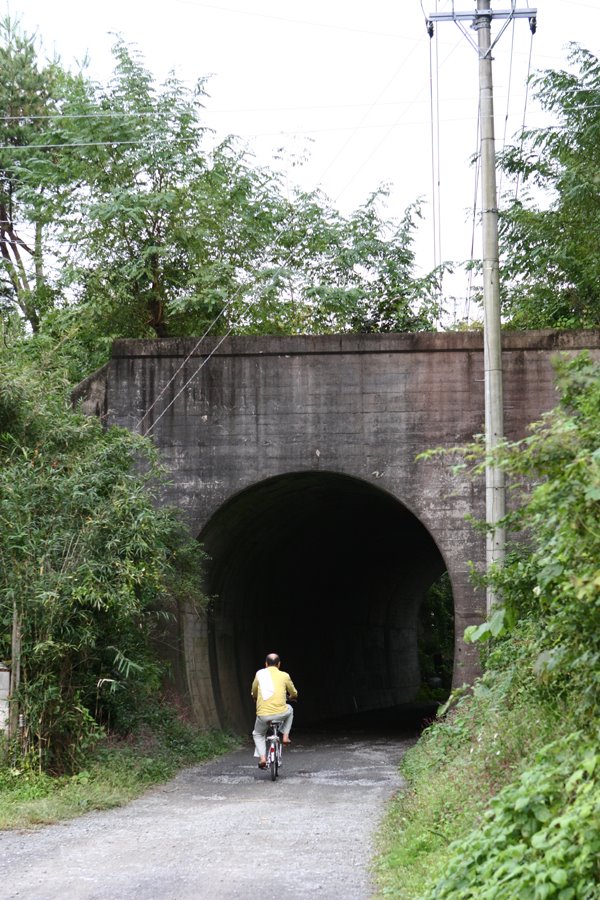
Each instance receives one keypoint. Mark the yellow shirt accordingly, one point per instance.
(276, 703)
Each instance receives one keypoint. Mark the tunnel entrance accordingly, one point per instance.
(331, 573)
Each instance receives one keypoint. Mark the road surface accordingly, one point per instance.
(224, 830)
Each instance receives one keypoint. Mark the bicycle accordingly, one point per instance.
(274, 738)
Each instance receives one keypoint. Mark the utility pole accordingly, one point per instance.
(494, 405)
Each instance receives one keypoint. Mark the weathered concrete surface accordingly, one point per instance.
(223, 830)
(294, 461)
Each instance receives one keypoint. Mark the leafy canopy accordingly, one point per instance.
(144, 229)
(90, 568)
(550, 234)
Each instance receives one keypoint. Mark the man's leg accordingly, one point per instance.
(286, 724)
(259, 733)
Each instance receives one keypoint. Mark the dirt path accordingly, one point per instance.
(223, 830)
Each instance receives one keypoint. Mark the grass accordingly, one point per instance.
(116, 772)
(460, 763)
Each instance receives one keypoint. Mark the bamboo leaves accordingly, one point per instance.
(90, 568)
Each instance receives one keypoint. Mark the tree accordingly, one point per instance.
(170, 236)
(28, 95)
(89, 565)
(550, 582)
(153, 234)
(539, 835)
(550, 234)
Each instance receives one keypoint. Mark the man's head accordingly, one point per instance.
(272, 660)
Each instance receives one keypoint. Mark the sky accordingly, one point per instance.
(341, 95)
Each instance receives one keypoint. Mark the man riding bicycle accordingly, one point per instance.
(270, 689)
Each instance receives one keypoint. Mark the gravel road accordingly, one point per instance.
(223, 830)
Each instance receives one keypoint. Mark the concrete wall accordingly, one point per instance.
(281, 451)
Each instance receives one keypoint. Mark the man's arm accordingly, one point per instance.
(289, 686)
(254, 690)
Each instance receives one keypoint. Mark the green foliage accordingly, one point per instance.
(115, 772)
(31, 183)
(510, 773)
(553, 579)
(459, 764)
(550, 233)
(89, 567)
(436, 635)
(540, 838)
(142, 231)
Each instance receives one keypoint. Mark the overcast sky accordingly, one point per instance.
(345, 84)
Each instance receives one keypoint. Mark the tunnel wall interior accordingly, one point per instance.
(329, 572)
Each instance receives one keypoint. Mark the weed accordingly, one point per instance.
(115, 772)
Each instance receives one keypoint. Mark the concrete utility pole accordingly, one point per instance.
(494, 405)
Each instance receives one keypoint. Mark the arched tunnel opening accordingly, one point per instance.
(336, 576)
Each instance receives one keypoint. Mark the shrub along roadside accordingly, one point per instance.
(117, 771)
(459, 765)
(91, 569)
(504, 796)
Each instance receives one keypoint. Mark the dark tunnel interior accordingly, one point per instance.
(329, 572)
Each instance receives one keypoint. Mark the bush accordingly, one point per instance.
(504, 797)
(90, 567)
(115, 771)
(541, 836)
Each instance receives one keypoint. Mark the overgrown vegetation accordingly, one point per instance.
(143, 230)
(90, 566)
(504, 790)
(550, 224)
(116, 771)
(436, 639)
(116, 221)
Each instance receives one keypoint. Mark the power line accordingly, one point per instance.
(433, 149)
(298, 131)
(19, 147)
(61, 116)
(371, 107)
(437, 124)
(474, 217)
(387, 134)
(246, 12)
(524, 111)
(510, 71)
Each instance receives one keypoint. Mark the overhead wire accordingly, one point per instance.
(367, 113)
(474, 215)
(434, 107)
(438, 154)
(432, 138)
(390, 128)
(508, 97)
(527, 82)
(245, 135)
(280, 268)
(71, 146)
(61, 116)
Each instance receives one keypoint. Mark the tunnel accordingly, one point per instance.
(329, 572)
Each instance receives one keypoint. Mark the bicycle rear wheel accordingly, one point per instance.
(273, 764)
